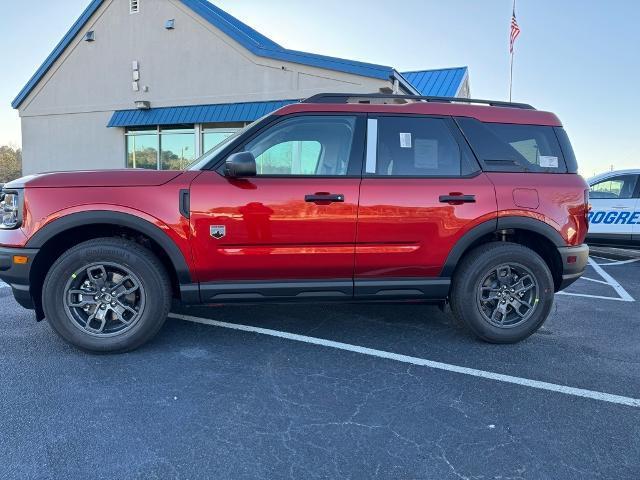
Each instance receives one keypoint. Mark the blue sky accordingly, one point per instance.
(579, 59)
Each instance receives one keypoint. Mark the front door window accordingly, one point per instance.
(306, 145)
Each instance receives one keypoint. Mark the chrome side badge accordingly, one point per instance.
(218, 231)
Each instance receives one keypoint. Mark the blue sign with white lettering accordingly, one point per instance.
(613, 217)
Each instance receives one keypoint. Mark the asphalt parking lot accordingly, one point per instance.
(339, 391)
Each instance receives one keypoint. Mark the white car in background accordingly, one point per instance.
(614, 218)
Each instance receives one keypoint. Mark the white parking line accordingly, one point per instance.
(552, 387)
(586, 295)
(612, 281)
(602, 282)
(603, 258)
(621, 262)
(608, 280)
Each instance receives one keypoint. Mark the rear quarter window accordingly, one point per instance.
(503, 147)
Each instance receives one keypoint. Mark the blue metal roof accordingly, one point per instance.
(231, 25)
(227, 112)
(444, 82)
(262, 46)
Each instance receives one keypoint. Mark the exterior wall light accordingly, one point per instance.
(143, 105)
(170, 24)
(90, 36)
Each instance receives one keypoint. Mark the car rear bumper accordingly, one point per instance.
(574, 261)
(16, 275)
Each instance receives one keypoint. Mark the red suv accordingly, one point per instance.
(351, 198)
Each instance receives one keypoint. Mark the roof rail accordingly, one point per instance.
(345, 97)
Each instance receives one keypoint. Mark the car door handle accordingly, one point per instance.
(457, 199)
(324, 198)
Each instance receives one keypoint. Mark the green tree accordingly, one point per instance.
(10, 164)
(145, 158)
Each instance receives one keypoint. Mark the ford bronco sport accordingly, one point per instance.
(357, 198)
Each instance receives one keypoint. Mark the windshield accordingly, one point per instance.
(202, 161)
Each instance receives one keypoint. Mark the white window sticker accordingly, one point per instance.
(405, 140)
(426, 154)
(548, 162)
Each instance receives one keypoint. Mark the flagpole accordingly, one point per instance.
(511, 63)
(511, 77)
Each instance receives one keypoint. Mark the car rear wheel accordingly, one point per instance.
(503, 292)
(107, 295)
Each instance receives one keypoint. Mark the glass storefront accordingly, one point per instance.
(178, 148)
(142, 149)
(173, 147)
(211, 139)
(213, 134)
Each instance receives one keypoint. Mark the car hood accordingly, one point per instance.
(96, 178)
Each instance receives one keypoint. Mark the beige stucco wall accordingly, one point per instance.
(71, 142)
(193, 64)
(65, 116)
(465, 89)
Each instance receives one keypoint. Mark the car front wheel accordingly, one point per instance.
(107, 295)
(503, 292)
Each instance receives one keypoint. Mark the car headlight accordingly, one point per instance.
(10, 210)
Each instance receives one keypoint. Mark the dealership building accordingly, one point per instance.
(156, 83)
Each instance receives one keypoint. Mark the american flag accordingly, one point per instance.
(515, 29)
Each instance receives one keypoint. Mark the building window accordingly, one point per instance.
(166, 148)
(134, 6)
(174, 147)
(213, 134)
(142, 148)
(178, 148)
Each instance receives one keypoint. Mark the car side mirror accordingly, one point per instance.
(241, 164)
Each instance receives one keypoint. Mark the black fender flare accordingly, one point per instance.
(56, 227)
(493, 226)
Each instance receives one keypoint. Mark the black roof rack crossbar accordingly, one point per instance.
(344, 98)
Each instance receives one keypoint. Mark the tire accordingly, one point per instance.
(107, 295)
(479, 286)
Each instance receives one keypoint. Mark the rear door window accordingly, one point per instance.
(418, 147)
(503, 147)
